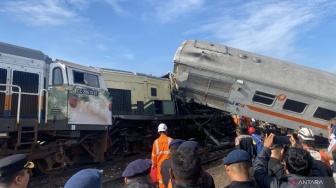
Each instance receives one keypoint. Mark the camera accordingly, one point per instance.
(281, 140)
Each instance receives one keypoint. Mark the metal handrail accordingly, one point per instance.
(40, 104)
(19, 101)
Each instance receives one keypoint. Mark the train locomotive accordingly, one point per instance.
(61, 113)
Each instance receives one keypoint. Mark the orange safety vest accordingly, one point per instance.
(160, 152)
(247, 121)
(324, 156)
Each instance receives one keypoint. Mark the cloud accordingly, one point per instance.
(263, 27)
(81, 4)
(52, 12)
(168, 10)
(47, 12)
(126, 56)
(115, 4)
(101, 47)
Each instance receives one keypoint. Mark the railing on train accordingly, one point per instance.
(46, 106)
(19, 100)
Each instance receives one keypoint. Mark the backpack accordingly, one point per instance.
(258, 142)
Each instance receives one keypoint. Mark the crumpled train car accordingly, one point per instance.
(257, 86)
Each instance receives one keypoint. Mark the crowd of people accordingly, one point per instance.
(260, 159)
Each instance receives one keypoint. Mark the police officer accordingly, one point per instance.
(85, 179)
(14, 171)
(137, 171)
(238, 166)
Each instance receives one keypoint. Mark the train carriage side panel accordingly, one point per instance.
(136, 93)
(249, 84)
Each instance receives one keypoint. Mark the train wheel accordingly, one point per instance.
(48, 166)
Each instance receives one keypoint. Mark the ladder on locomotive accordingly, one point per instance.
(22, 130)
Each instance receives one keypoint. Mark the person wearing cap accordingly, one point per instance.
(238, 166)
(86, 178)
(298, 164)
(307, 141)
(160, 152)
(14, 171)
(166, 164)
(137, 170)
(186, 170)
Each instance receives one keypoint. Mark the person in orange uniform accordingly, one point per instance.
(160, 151)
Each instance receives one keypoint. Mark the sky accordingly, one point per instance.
(143, 35)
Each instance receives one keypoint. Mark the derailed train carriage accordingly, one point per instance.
(245, 83)
(141, 102)
(60, 113)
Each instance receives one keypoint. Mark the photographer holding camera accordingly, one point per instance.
(298, 165)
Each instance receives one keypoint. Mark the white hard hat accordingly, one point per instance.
(306, 134)
(162, 127)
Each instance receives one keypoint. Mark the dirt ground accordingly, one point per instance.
(216, 169)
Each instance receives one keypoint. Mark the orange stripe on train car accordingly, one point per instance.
(8, 102)
(283, 116)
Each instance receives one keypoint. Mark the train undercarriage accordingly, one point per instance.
(132, 134)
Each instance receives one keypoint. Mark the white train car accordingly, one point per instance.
(257, 86)
(56, 112)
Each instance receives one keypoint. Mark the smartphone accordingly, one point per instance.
(282, 140)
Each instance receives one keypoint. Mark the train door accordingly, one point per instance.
(58, 94)
(153, 95)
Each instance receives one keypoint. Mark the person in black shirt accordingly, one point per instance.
(166, 164)
(245, 142)
(275, 167)
(186, 168)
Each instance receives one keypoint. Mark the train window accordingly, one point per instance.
(57, 77)
(153, 92)
(92, 80)
(86, 78)
(3, 79)
(294, 106)
(263, 98)
(78, 77)
(325, 114)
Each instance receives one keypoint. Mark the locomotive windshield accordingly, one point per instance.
(85, 78)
